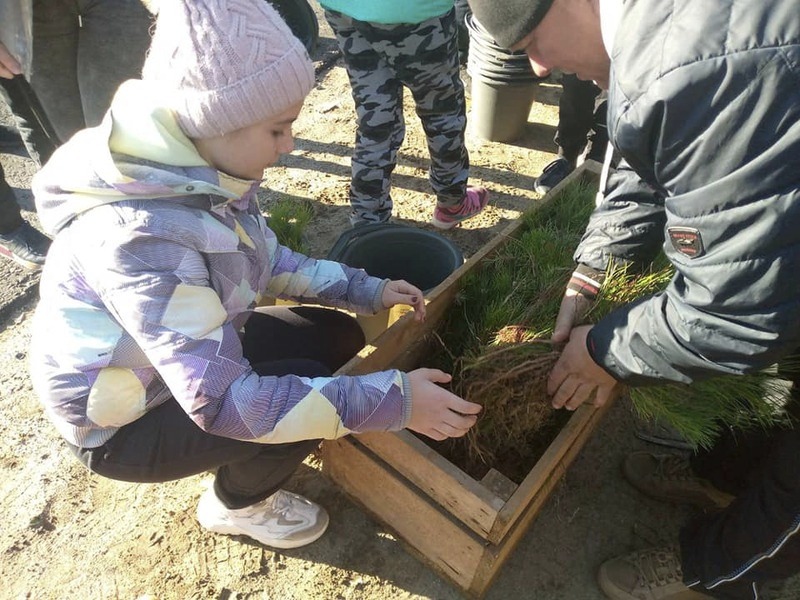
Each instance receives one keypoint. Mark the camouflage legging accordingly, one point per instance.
(381, 60)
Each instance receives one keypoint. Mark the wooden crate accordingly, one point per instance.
(461, 527)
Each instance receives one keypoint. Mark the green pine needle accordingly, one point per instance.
(523, 284)
(289, 218)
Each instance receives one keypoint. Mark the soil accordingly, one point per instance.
(69, 534)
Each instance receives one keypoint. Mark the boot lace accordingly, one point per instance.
(657, 567)
(674, 468)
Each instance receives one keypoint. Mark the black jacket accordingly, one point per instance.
(704, 107)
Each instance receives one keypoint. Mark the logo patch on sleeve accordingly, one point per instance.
(687, 241)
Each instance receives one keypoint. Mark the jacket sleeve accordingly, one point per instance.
(158, 291)
(626, 226)
(726, 152)
(325, 282)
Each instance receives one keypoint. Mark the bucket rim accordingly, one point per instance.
(501, 80)
(348, 237)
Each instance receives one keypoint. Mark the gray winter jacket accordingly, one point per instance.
(704, 106)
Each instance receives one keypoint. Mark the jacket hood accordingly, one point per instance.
(137, 152)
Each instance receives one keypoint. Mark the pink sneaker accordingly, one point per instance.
(471, 204)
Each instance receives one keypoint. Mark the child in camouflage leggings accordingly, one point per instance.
(389, 45)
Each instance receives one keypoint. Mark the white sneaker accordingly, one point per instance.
(284, 520)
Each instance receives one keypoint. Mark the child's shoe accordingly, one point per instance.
(284, 520)
(473, 202)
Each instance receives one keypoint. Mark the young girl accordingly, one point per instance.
(147, 354)
(388, 46)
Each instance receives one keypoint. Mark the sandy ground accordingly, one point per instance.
(68, 534)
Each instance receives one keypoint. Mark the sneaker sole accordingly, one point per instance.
(281, 544)
(30, 266)
(609, 589)
(443, 224)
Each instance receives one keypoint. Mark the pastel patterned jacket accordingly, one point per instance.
(158, 260)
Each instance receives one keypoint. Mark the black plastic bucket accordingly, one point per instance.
(423, 258)
(503, 86)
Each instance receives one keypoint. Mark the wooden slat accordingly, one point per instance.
(442, 543)
(467, 500)
(499, 484)
(554, 462)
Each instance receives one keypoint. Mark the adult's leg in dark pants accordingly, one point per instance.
(115, 36)
(10, 216)
(82, 51)
(757, 537)
(576, 115)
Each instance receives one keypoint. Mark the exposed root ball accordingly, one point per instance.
(510, 381)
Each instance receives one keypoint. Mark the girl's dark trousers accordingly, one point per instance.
(165, 444)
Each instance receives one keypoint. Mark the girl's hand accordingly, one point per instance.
(402, 292)
(436, 412)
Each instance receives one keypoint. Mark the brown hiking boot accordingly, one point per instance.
(669, 477)
(653, 574)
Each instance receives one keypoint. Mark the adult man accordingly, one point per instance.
(704, 108)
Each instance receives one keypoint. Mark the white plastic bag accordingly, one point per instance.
(16, 31)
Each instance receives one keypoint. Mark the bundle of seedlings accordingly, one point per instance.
(497, 343)
(699, 411)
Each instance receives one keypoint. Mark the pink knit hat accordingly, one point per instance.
(227, 64)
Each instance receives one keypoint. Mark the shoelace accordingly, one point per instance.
(281, 504)
(656, 568)
(674, 468)
(277, 505)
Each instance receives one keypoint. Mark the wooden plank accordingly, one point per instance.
(558, 456)
(467, 500)
(499, 484)
(497, 554)
(441, 542)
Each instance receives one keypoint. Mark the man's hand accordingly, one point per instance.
(576, 378)
(574, 307)
(435, 412)
(9, 67)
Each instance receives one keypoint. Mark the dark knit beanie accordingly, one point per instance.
(508, 21)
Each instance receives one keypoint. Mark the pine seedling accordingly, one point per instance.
(289, 218)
